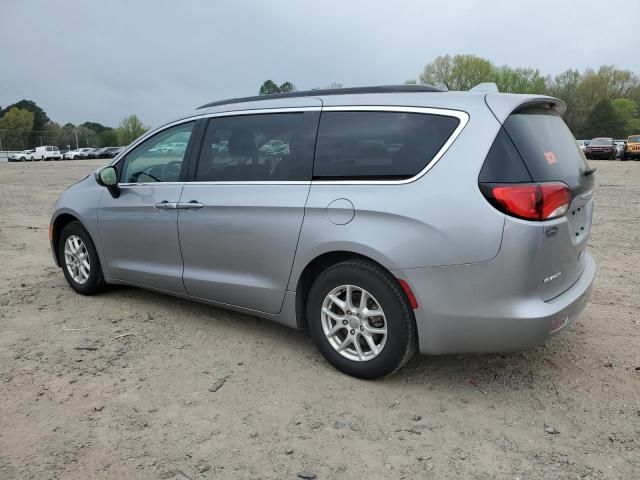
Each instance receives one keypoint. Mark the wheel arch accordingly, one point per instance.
(57, 225)
(319, 264)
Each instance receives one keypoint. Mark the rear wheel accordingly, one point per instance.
(361, 320)
(79, 260)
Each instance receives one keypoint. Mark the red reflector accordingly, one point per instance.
(407, 290)
(51, 232)
(531, 201)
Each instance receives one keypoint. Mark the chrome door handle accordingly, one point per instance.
(164, 205)
(189, 205)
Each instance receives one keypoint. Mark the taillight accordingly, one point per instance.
(531, 201)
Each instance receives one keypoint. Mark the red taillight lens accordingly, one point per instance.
(531, 201)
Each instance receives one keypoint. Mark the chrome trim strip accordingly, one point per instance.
(459, 114)
(248, 182)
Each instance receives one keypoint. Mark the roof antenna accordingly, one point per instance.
(486, 87)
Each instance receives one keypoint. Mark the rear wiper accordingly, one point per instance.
(590, 171)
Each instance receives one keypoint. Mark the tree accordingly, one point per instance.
(130, 128)
(460, 72)
(86, 137)
(15, 127)
(96, 127)
(287, 87)
(627, 112)
(603, 121)
(40, 118)
(108, 138)
(520, 80)
(269, 87)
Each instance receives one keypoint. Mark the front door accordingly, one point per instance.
(248, 194)
(139, 229)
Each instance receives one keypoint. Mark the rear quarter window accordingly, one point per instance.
(378, 145)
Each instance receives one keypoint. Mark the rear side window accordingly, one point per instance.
(547, 146)
(264, 147)
(378, 145)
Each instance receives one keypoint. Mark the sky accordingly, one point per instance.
(101, 61)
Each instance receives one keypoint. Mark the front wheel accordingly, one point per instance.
(361, 320)
(79, 260)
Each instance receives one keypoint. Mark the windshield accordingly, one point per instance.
(601, 141)
(634, 139)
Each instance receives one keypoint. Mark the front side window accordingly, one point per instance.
(159, 158)
(378, 145)
(262, 147)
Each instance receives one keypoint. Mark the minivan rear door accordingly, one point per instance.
(550, 154)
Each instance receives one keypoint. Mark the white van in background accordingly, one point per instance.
(46, 153)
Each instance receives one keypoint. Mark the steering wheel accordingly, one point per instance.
(171, 171)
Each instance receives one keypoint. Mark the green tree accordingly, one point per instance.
(269, 87)
(287, 87)
(460, 72)
(626, 111)
(520, 80)
(603, 121)
(108, 138)
(15, 128)
(40, 118)
(96, 127)
(86, 137)
(130, 128)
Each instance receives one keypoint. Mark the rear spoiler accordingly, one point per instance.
(504, 104)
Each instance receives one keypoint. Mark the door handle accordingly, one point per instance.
(189, 205)
(165, 205)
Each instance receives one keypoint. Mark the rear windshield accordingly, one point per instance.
(546, 146)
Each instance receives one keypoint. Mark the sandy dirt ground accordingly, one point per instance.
(195, 392)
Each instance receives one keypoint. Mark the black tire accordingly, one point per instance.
(402, 339)
(95, 282)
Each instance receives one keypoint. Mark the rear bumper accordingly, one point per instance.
(461, 310)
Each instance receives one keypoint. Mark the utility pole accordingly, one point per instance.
(75, 130)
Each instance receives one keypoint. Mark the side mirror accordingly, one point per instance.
(108, 177)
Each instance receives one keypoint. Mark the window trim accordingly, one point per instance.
(462, 116)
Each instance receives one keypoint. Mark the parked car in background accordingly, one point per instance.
(582, 144)
(46, 153)
(632, 148)
(71, 154)
(111, 152)
(23, 156)
(274, 147)
(331, 236)
(601, 148)
(84, 153)
(620, 144)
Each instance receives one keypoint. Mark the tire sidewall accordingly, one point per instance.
(398, 325)
(95, 281)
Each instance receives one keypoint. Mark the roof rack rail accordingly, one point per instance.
(330, 91)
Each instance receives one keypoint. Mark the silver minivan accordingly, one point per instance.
(389, 220)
